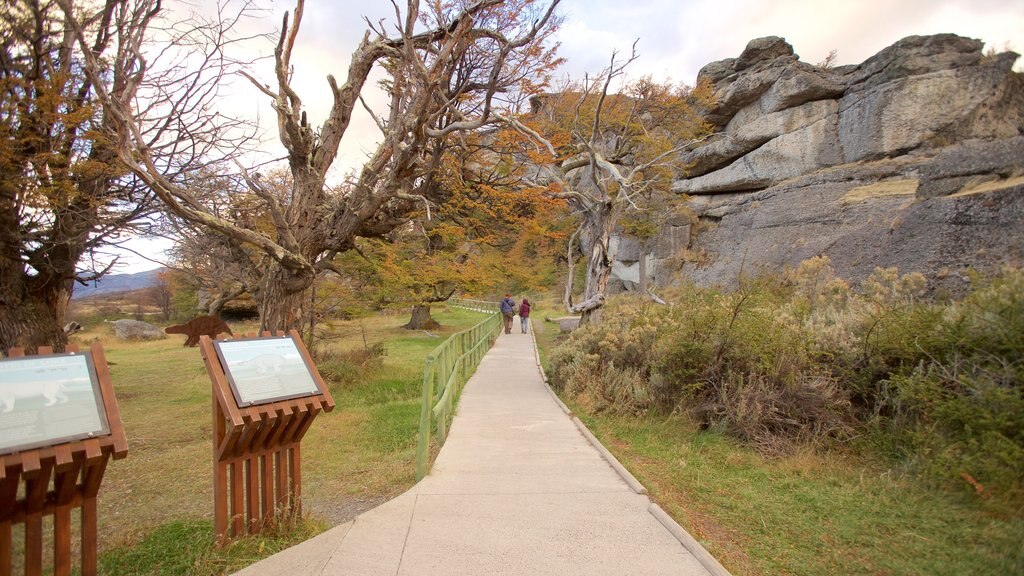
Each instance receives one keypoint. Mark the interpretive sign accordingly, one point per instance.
(48, 400)
(265, 370)
(266, 393)
(59, 427)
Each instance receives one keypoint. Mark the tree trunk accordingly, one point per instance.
(279, 298)
(421, 319)
(600, 220)
(643, 268)
(32, 319)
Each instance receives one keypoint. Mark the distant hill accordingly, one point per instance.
(115, 283)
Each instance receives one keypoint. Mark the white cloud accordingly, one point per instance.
(678, 38)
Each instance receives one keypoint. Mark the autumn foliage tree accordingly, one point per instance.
(602, 153)
(64, 196)
(450, 67)
(489, 233)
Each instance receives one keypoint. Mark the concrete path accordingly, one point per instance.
(517, 489)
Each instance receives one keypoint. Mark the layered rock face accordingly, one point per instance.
(913, 159)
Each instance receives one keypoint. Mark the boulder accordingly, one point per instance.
(137, 330)
(567, 323)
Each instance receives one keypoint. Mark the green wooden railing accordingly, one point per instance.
(446, 369)
(477, 305)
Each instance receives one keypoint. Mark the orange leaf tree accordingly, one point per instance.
(607, 155)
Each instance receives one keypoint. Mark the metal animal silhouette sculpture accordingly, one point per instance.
(200, 326)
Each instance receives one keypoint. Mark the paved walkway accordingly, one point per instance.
(516, 490)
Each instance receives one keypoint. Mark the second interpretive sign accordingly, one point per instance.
(265, 370)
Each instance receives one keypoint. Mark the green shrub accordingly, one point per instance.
(960, 412)
(803, 358)
(608, 366)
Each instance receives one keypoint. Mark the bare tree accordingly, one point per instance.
(160, 294)
(600, 152)
(425, 58)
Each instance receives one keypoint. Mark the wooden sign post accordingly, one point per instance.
(59, 426)
(266, 393)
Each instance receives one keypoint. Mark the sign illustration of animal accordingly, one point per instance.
(199, 326)
(267, 363)
(52, 392)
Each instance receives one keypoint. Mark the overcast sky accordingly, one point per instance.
(676, 38)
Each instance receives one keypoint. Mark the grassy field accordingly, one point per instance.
(156, 505)
(808, 514)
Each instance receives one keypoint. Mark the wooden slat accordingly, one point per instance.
(93, 475)
(267, 494)
(34, 545)
(93, 450)
(220, 472)
(6, 546)
(295, 471)
(36, 485)
(30, 464)
(237, 501)
(63, 457)
(300, 411)
(284, 418)
(220, 501)
(90, 537)
(252, 490)
(281, 480)
(244, 444)
(300, 433)
(62, 541)
(65, 483)
(229, 443)
(9, 492)
(266, 427)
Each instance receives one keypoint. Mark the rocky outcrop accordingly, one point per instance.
(914, 158)
(780, 118)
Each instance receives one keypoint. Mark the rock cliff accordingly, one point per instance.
(914, 159)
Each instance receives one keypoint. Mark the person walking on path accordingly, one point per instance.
(524, 315)
(508, 310)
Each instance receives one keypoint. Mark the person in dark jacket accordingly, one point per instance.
(524, 315)
(508, 310)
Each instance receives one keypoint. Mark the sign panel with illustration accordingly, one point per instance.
(265, 370)
(49, 400)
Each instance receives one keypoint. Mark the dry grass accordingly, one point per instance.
(907, 187)
(354, 458)
(988, 186)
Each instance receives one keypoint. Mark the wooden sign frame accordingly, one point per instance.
(74, 469)
(257, 480)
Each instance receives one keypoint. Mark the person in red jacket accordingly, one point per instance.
(524, 315)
